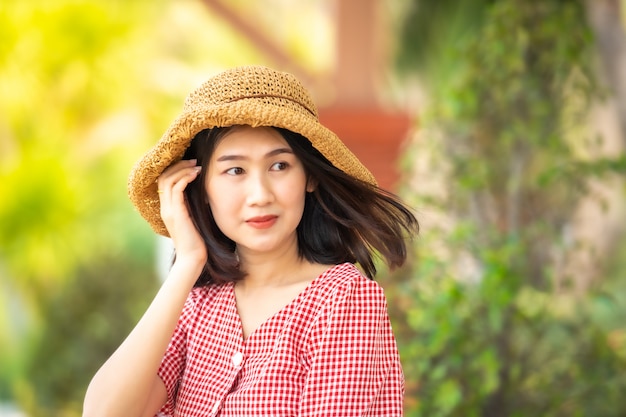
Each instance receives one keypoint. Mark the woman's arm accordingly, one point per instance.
(128, 379)
(127, 383)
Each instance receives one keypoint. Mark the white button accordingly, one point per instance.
(216, 407)
(237, 358)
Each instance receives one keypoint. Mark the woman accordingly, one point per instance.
(263, 311)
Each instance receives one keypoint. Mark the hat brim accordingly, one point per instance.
(253, 111)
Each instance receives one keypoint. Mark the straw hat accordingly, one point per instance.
(250, 95)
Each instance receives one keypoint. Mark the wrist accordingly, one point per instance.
(188, 267)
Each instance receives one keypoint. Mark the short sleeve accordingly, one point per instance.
(354, 363)
(173, 362)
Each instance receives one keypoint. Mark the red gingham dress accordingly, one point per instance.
(329, 352)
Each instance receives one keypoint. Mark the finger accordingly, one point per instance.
(171, 185)
(181, 182)
(174, 172)
(176, 179)
(172, 192)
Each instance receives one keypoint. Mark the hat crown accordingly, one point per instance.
(250, 82)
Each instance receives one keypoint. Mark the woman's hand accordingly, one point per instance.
(175, 212)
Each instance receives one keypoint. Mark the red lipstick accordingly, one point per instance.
(262, 222)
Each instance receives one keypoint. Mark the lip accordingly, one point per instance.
(262, 222)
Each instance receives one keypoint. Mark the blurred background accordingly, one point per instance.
(503, 122)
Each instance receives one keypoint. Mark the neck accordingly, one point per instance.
(270, 270)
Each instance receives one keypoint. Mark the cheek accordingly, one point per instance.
(294, 195)
(223, 216)
(222, 201)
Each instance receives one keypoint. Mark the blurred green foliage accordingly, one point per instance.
(64, 82)
(484, 328)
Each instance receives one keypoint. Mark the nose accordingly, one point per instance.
(259, 190)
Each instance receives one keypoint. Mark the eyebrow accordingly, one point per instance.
(270, 154)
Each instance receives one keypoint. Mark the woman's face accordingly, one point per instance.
(256, 188)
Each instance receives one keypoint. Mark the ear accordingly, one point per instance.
(311, 185)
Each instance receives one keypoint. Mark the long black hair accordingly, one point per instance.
(344, 219)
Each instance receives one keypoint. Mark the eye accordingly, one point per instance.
(280, 166)
(234, 171)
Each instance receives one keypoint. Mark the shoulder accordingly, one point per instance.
(349, 307)
(205, 293)
(348, 276)
(346, 283)
(202, 297)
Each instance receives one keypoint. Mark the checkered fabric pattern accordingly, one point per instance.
(329, 352)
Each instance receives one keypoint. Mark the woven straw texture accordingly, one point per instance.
(250, 95)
